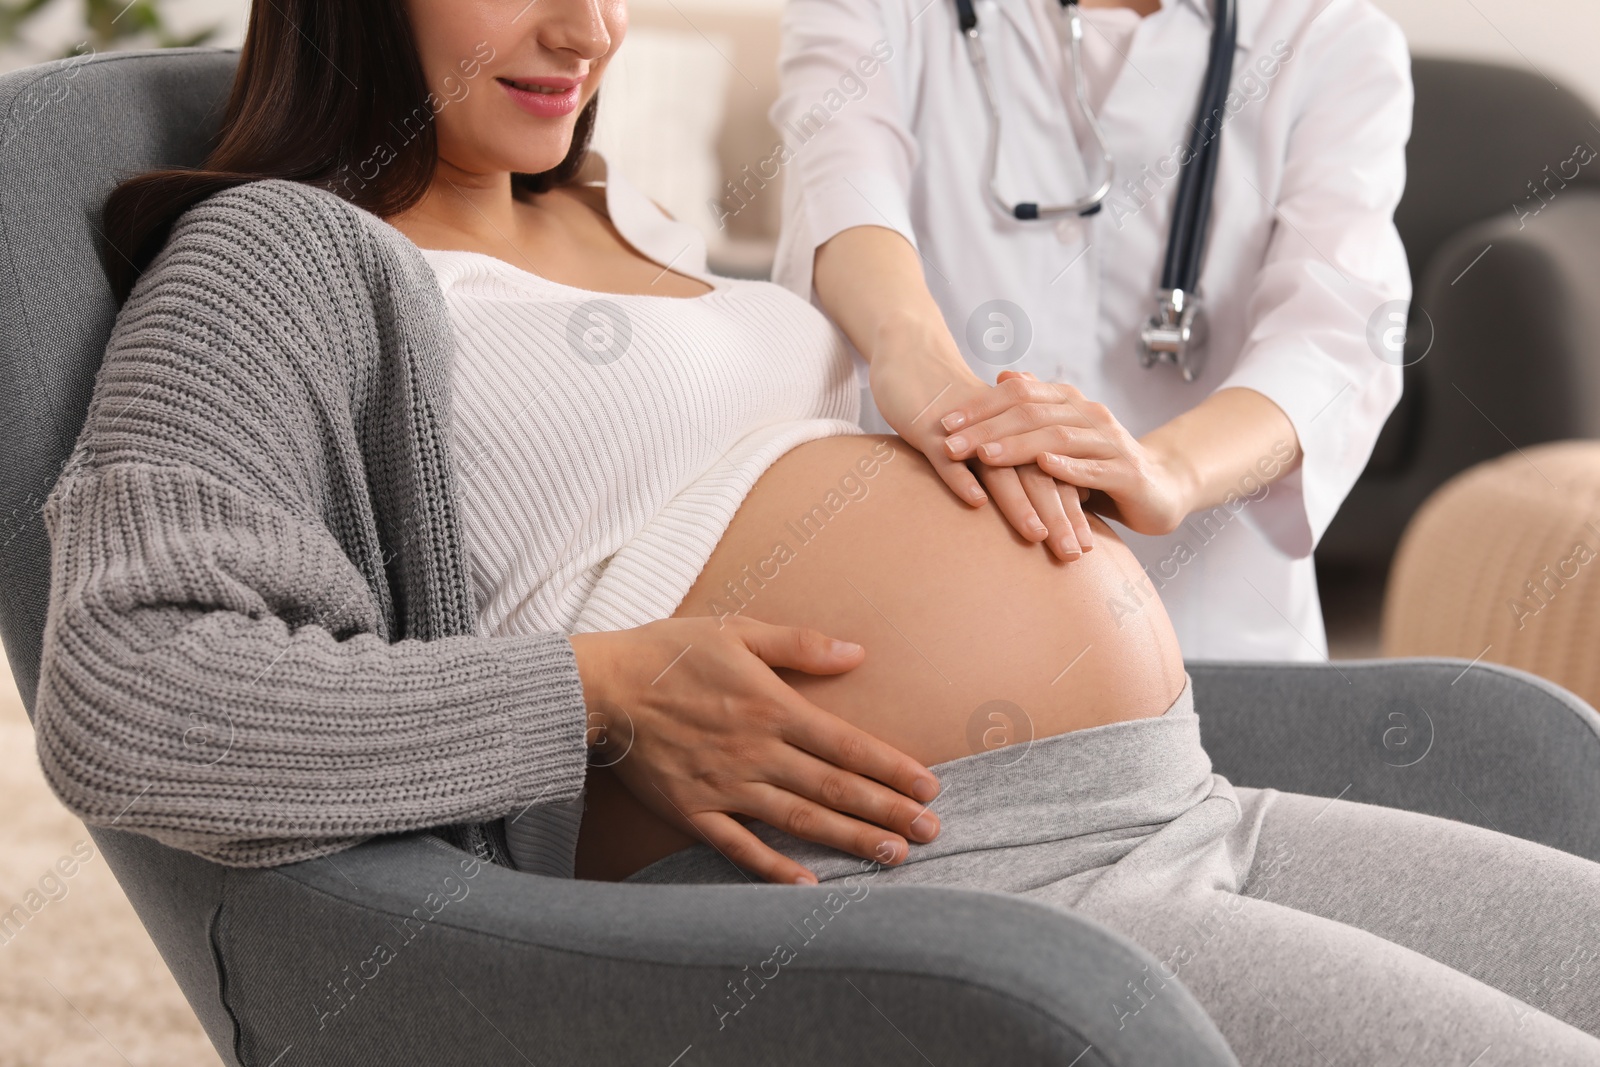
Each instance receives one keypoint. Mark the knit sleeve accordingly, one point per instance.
(230, 560)
(209, 678)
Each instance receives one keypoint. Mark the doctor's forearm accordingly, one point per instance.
(1230, 443)
(870, 283)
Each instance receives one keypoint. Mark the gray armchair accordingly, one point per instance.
(486, 965)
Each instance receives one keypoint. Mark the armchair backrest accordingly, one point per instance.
(1482, 138)
(69, 132)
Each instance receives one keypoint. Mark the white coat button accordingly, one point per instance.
(1070, 230)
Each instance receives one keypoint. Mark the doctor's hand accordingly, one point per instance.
(708, 731)
(916, 379)
(1023, 421)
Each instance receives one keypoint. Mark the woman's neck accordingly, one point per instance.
(462, 206)
(564, 235)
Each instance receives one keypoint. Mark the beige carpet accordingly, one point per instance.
(80, 982)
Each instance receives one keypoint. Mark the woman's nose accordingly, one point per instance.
(583, 27)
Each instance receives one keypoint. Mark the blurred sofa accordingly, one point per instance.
(1501, 220)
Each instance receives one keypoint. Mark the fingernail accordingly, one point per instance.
(805, 879)
(1037, 528)
(975, 494)
(925, 789)
(887, 851)
(925, 826)
(1049, 457)
(953, 421)
(845, 648)
(956, 443)
(990, 451)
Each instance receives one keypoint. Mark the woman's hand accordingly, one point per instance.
(709, 731)
(1054, 426)
(917, 377)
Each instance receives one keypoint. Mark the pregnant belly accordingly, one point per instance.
(975, 638)
(965, 623)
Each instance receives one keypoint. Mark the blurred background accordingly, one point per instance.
(1470, 534)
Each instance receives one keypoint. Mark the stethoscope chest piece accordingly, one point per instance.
(1175, 334)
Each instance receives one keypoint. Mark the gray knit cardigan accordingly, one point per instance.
(260, 644)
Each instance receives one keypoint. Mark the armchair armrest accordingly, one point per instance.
(1479, 743)
(392, 953)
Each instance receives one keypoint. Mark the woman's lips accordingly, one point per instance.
(546, 98)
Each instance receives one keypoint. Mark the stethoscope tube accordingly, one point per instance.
(1187, 240)
(1175, 334)
(967, 22)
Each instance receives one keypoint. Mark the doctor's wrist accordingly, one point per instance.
(907, 336)
(1174, 476)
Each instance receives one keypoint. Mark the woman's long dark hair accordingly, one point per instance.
(327, 92)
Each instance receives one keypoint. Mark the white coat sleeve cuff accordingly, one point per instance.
(863, 198)
(1321, 402)
(827, 209)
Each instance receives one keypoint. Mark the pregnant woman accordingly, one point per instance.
(435, 464)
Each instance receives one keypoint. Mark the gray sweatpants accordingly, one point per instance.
(1313, 931)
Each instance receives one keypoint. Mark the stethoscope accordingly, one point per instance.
(1178, 322)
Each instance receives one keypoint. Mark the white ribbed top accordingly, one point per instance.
(606, 440)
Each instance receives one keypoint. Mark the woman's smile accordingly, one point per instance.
(544, 97)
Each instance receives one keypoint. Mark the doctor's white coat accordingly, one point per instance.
(884, 125)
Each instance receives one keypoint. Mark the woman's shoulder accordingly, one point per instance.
(288, 272)
(274, 230)
(273, 219)
(270, 206)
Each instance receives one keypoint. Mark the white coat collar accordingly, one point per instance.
(643, 224)
(1250, 12)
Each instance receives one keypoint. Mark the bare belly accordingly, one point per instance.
(975, 638)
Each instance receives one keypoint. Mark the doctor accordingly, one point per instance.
(1225, 461)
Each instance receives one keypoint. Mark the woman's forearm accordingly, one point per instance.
(196, 686)
(1235, 437)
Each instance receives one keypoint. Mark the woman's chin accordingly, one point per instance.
(538, 148)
